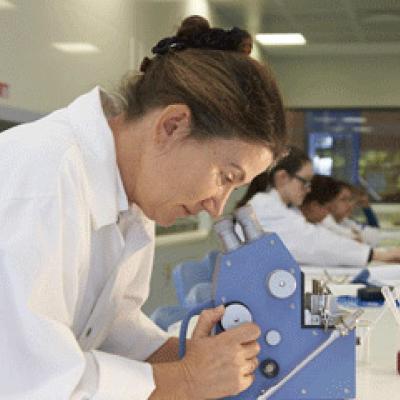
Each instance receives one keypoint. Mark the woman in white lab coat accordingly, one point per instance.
(340, 210)
(80, 191)
(276, 195)
(336, 199)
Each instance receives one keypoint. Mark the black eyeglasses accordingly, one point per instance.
(306, 183)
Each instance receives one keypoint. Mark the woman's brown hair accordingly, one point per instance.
(230, 95)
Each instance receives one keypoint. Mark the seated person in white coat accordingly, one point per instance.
(340, 210)
(325, 190)
(80, 191)
(276, 195)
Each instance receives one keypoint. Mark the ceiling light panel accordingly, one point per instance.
(281, 39)
(6, 5)
(76, 47)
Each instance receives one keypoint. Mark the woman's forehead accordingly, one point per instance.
(238, 147)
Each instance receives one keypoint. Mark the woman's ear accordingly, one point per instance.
(172, 126)
(281, 177)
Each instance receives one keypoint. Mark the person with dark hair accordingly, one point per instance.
(340, 210)
(292, 174)
(323, 190)
(81, 190)
(275, 196)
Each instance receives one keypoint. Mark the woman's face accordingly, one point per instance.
(314, 212)
(169, 174)
(197, 175)
(342, 205)
(293, 188)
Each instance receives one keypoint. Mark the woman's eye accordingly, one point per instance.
(228, 178)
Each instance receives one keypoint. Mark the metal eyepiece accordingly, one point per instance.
(224, 228)
(247, 219)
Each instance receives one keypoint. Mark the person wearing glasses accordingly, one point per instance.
(276, 196)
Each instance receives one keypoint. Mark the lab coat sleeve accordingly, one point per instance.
(44, 250)
(317, 245)
(329, 223)
(133, 334)
(369, 234)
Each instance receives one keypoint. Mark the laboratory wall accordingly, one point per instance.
(338, 80)
(41, 78)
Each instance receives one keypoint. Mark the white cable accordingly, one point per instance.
(390, 300)
(348, 324)
(332, 337)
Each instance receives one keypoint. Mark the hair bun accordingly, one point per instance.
(145, 64)
(193, 26)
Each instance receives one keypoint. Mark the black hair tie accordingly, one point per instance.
(169, 43)
(214, 39)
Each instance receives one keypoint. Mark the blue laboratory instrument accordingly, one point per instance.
(307, 343)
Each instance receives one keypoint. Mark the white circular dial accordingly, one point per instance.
(281, 284)
(273, 338)
(235, 315)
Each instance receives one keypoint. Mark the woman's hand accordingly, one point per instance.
(222, 365)
(391, 254)
(214, 366)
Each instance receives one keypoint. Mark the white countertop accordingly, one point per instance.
(378, 378)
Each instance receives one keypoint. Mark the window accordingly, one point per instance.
(361, 146)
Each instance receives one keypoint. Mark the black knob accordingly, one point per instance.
(270, 368)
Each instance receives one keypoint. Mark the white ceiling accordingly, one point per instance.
(329, 26)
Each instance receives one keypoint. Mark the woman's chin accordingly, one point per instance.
(165, 224)
(165, 220)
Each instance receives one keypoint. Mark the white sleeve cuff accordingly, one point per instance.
(148, 338)
(120, 378)
(135, 336)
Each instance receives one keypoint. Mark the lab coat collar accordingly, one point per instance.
(107, 196)
(276, 196)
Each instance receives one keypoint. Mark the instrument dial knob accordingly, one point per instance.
(235, 314)
(270, 368)
(281, 284)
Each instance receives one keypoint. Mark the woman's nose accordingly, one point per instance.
(215, 205)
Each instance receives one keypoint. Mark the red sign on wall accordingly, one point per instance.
(4, 90)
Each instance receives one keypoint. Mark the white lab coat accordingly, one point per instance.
(308, 243)
(72, 280)
(329, 223)
(368, 234)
